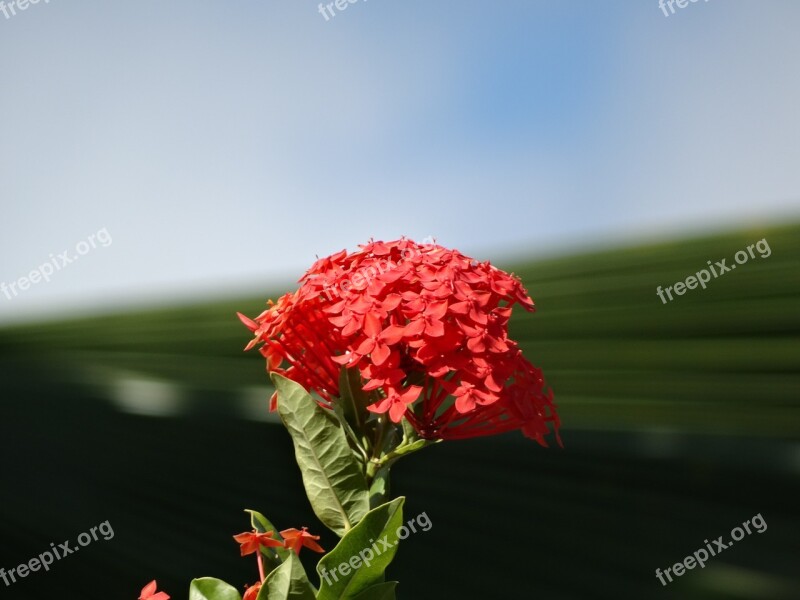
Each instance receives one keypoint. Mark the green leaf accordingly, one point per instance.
(208, 588)
(273, 557)
(379, 490)
(334, 482)
(287, 582)
(382, 591)
(261, 523)
(360, 558)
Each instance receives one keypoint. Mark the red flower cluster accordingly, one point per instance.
(293, 539)
(250, 542)
(426, 327)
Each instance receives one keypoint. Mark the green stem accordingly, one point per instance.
(352, 435)
(402, 450)
(261, 566)
(378, 449)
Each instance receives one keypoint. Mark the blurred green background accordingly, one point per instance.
(680, 421)
(598, 149)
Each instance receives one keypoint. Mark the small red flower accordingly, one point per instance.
(295, 539)
(252, 592)
(396, 402)
(468, 395)
(149, 592)
(251, 541)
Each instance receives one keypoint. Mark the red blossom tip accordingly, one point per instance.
(251, 541)
(251, 593)
(149, 592)
(295, 539)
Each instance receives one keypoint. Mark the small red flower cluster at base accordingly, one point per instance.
(427, 329)
(293, 539)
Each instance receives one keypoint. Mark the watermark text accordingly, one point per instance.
(48, 557)
(57, 262)
(699, 557)
(703, 276)
(367, 555)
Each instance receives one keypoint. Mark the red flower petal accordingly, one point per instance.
(149, 592)
(380, 354)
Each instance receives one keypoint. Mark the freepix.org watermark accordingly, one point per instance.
(367, 555)
(48, 557)
(699, 557)
(327, 10)
(9, 9)
(57, 262)
(703, 276)
(361, 278)
(663, 4)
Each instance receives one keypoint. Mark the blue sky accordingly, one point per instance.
(224, 145)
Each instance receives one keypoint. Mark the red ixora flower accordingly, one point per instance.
(250, 541)
(427, 329)
(251, 593)
(149, 592)
(294, 539)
